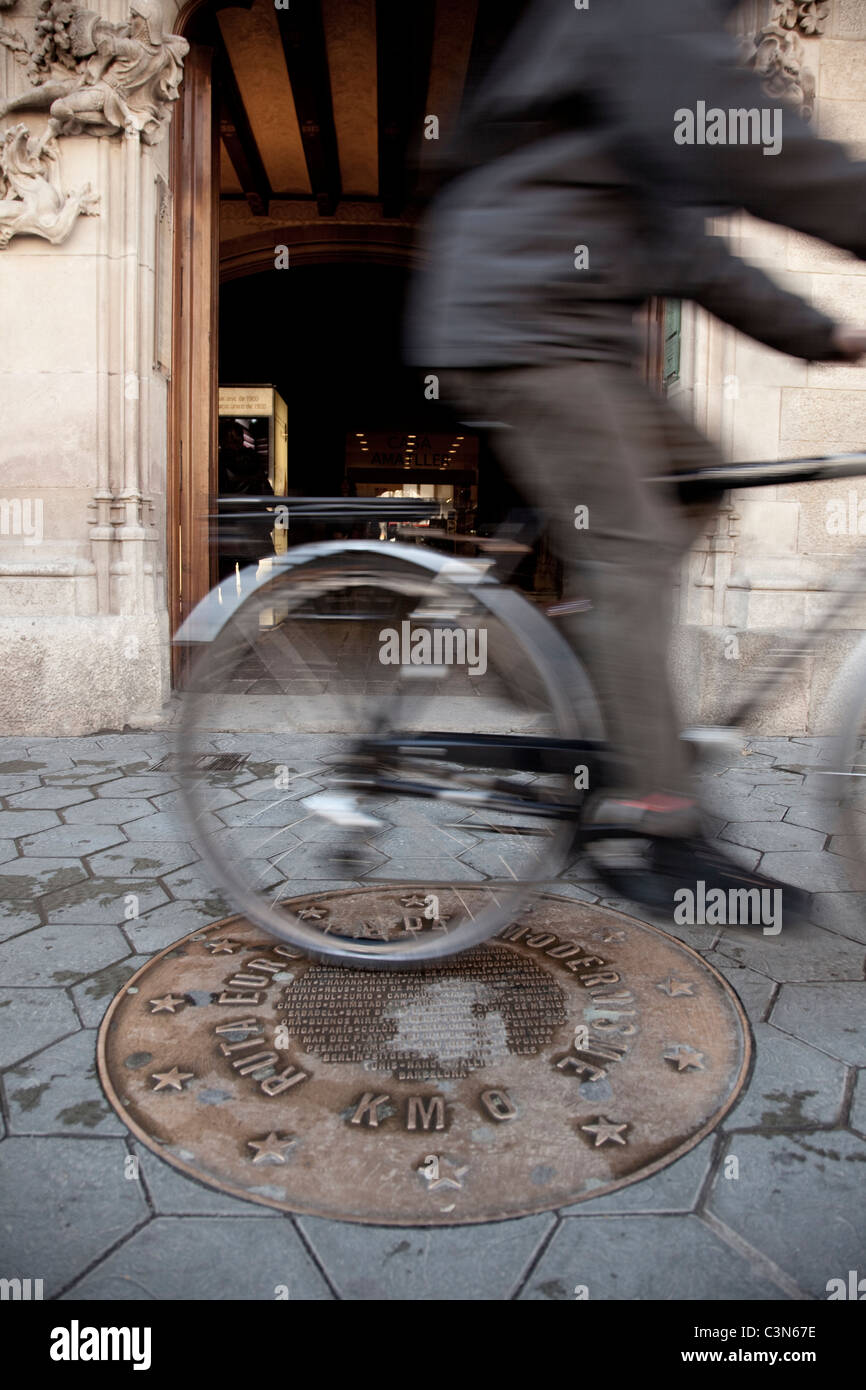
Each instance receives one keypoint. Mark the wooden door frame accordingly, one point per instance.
(192, 404)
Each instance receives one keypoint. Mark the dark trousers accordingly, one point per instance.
(588, 434)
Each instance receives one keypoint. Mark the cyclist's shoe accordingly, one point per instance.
(671, 816)
(692, 880)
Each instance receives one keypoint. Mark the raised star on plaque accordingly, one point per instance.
(168, 1004)
(684, 1057)
(413, 900)
(313, 914)
(614, 936)
(171, 1080)
(431, 1169)
(605, 1132)
(223, 947)
(674, 988)
(272, 1148)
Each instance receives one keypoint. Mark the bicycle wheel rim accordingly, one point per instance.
(505, 899)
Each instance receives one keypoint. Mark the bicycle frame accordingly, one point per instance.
(515, 753)
(705, 483)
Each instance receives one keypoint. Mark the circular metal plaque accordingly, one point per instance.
(577, 1051)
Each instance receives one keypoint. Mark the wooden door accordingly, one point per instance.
(192, 464)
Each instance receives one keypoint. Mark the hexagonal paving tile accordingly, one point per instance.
(14, 761)
(628, 1257)
(42, 762)
(111, 900)
(165, 925)
(821, 816)
(55, 754)
(11, 782)
(14, 824)
(137, 786)
(816, 872)
(116, 810)
(93, 996)
(48, 798)
(59, 954)
(841, 912)
(849, 846)
(742, 855)
(421, 870)
(72, 1202)
(403, 841)
(463, 1263)
(830, 1016)
(792, 1086)
(743, 804)
(753, 990)
(699, 937)
(197, 884)
(580, 892)
(72, 840)
(773, 778)
(196, 1257)
(798, 1198)
(212, 797)
(801, 952)
(277, 811)
(858, 1104)
(15, 919)
(146, 859)
(493, 855)
(260, 841)
(30, 878)
(300, 784)
(31, 1019)
(676, 1188)
(59, 1091)
(174, 1194)
(88, 777)
(774, 834)
(163, 825)
(129, 746)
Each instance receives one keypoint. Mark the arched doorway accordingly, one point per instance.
(300, 127)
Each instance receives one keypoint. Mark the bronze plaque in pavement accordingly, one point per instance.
(577, 1051)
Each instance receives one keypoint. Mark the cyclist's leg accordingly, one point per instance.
(588, 435)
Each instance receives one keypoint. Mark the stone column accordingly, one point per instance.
(83, 378)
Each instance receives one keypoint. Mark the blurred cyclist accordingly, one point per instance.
(575, 195)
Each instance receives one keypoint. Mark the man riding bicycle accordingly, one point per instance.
(575, 195)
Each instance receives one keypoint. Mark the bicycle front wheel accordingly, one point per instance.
(308, 764)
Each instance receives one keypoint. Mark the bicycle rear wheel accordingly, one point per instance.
(308, 765)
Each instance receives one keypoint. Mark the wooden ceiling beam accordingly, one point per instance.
(404, 46)
(235, 129)
(303, 37)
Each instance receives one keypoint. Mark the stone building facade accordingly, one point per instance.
(98, 386)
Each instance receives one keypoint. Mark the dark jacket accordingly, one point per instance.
(570, 142)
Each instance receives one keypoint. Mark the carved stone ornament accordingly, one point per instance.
(809, 16)
(96, 77)
(31, 198)
(778, 56)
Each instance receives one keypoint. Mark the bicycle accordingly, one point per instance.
(328, 653)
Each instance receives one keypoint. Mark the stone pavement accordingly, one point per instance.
(87, 822)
